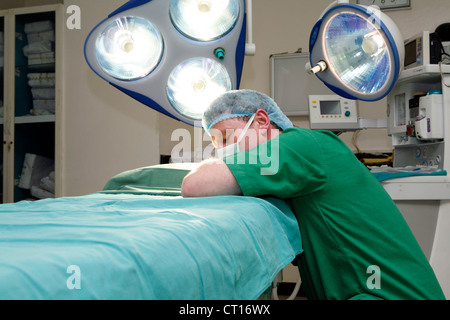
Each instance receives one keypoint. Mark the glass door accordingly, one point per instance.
(2, 98)
(34, 110)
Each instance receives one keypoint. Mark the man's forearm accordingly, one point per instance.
(211, 178)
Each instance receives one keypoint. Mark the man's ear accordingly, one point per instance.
(262, 119)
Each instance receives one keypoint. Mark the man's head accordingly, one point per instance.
(228, 116)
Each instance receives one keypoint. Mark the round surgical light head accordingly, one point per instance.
(194, 84)
(129, 48)
(204, 20)
(363, 51)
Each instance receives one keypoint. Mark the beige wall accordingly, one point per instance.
(106, 132)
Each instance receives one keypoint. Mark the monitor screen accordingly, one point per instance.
(410, 53)
(330, 107)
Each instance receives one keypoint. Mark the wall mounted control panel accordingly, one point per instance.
(332, 112)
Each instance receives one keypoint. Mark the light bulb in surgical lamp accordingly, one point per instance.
(204, 20)
(362, 48)
(373, 44)
(194, 84)
(129, 48)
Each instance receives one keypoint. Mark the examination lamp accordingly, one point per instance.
(357, 51)
(174, 56)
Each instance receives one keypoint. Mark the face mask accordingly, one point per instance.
(234, 148)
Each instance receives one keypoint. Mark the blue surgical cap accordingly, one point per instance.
(241, 103)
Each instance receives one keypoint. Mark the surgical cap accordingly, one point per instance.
(242, 103)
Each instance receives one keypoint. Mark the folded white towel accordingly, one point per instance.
(48, 184)
(41, 36)
(41, 193)
(38, 47)
(43, 93)
(41, 58)
(34, 169)
(41, 112)
(47, 105)
(41, 79)
(38, 26)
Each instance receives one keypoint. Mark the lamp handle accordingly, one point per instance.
(321, 66)
(250, 47)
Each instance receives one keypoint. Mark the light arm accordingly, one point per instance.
(211, 178)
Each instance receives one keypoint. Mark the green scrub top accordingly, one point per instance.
(356, 243)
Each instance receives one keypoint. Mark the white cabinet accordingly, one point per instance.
(404, 109)
(424, 201)
(31, 94)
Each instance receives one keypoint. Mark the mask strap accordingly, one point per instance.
(249, 123)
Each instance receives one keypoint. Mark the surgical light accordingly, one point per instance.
(357, 51)
(204, 20)
(174, 56)
(195, 83)
(129, 48)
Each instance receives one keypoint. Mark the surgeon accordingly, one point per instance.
(356, 243)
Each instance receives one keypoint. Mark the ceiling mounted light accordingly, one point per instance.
(195, 83)
(129, 48)
(357, 51)
(174, 56)
(204, 20)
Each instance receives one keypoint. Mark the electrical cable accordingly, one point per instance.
(443, 53)
(442, 75)
(354, 140)
(294, 292)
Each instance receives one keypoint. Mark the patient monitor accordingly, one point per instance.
(332, 112)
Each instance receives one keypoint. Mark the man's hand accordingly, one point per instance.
(211, 178)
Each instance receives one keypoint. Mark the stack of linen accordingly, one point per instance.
(38, 176)
(43, 92)
(40, 50)
(41, 40)
(46, 188)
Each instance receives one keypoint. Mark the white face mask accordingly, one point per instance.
(234, 148)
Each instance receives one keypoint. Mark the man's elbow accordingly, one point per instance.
(188, 189)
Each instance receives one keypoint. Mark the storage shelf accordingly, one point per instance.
(24, 132)
(45, 67)
(418, 188)
(428, 73)
(32, 119)
(35, 119)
